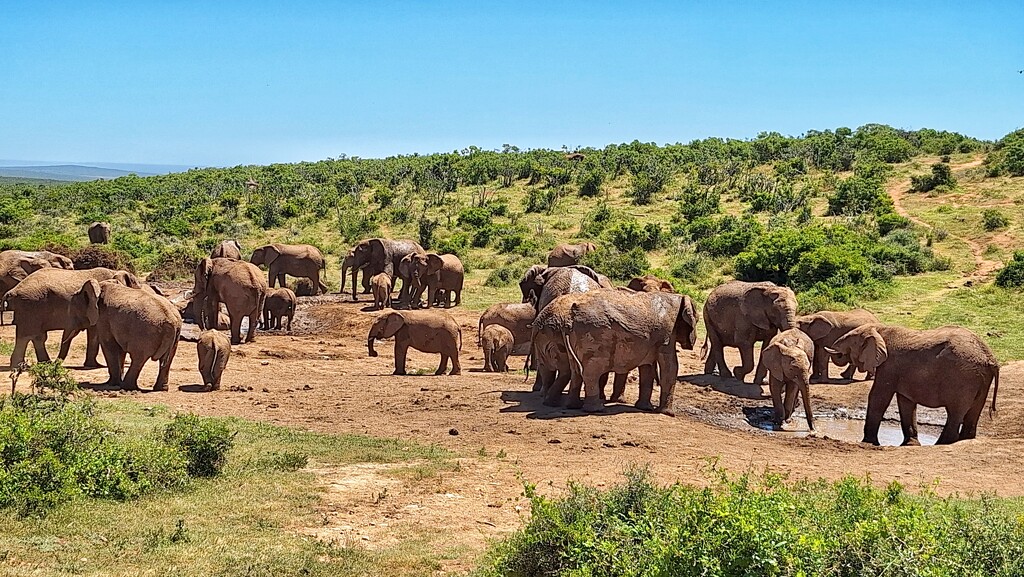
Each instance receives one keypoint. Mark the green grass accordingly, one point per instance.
(241, 523)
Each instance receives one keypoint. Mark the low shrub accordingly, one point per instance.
(618, 265)
(541, 200)
(891, 221)
(941, 175)
(748, 525)
(590, 182)
(203, 442)
(1012, 275)
(176, 262)
(992, 219)
(696, 202)
(628, 234)
(506, 275)
(649, 179)
(94, 256)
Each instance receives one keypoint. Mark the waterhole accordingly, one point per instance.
(849, 430)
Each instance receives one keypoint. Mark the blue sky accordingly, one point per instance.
(224, 83)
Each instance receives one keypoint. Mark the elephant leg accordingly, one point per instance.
(951, 431)
(619, 387)
(458, 297)
(746, 361)
(502, 363)
(39, 344)
(290, 323)
(543, 379)
(114, 356)
(969, 430)
(488, 366)
(92, 348)
(250, 335)
(236, 329)
(18, 356)
(401, 350)
(761, 372)
(601, 383)
(646, 388)
(591, 379)
(576, 385)
(65, 343)
(454, 356)
(820, 373)
(667, 372)
(558, 380)
(878, 401)
(775, 387)
(131, 378)
(443, 366)
(908, 419)
(805, 390)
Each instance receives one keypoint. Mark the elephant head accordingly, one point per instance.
(61, 261)
(530, 283)
(424, 266)
(792, 361)
(816, 326)
(84, 308)
(384, 327)
(686, 323)
(770, 307)
(265, 254)
(127, 279)
(863, 346)
(33, 264)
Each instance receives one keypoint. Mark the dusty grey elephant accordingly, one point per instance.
(40, 304)
(528, 284)
(437, 273)
(825, 328)
(516, 317)
(214, 351)
(128, 321)
(349, 263)
(227, 249)
(948, 367)
(788, 358)
(553, 282)
(279, 304)
(377, 255)
(237, 284)
(739, 314)
(426, 331)
(497, 343)
(99, 233)
(649, 284)
(382, 287)
(15, 265)
(613, 331)
(298, 260)
(569, 254)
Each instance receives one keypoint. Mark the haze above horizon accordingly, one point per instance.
(229, 83)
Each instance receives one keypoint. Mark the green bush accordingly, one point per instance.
(941, 175)
(506, 275)
(760, 526)
(993, 219)
(628, 234)
(474, 217)
(724, 236)
(456, 244)
(859, 195)
(696, 202)
(691, 267)
(425, 229)
(1012, 275)
(203, 442)
(595, 222)
(590, 182)
(541, 200)
(618, 265)
(891, 221)
(649, 179)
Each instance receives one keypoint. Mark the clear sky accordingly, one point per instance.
(224, 83)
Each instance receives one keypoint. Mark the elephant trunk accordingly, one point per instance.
(369, 346)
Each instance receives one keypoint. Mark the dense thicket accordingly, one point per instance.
(496, 199)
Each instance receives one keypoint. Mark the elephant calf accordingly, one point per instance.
(280, 303)
(497, 342)
(426, 331)
(788, 358)
(382, 286)
(516, 317)
(214, 350)
(825, 328)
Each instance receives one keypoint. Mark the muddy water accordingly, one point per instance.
(850, 430)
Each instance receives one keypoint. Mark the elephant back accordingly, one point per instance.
(559, 281)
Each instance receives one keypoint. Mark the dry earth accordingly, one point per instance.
(320, 378)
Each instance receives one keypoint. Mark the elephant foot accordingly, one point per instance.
(666, 411)
(593, 406)
(870, 441)
(911, 442)
(398, 373)
(644, 406)
(759, 382)
(574, 404)
(818, 379)
(160, 387)
(537, 387)
(454, 373)
(129, 387)
(92, 365)
(617, 399)
(552, 402)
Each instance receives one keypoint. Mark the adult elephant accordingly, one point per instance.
(739, 314)
(349, 263)
(99, 233)
(825, 328)
(40, 305)
(227, 249)
(237, 284)
(949, 367)
(569, 254)
(15, 265)
(528, 284)
(128, 321)
(377, 255)
(556, 281)
(613, 331)
(650, 283)
(435, 273)
(298, 260)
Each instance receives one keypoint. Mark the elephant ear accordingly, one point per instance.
(873, 351)
(755, 307)
(666, 287)
(686, 322)
(85, 305)
(203, 270)
(434, 263)
(815, 326)
(270, 253)
(392, 325)
(796, 361)
(127, 279)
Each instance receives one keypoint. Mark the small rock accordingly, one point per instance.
(272, 406)
(365, 537)
(554, 442)
(453, 432)
(264, 363)
(307, 388)
(266, 390)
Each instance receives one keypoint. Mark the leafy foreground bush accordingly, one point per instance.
(1012, 275)
(54, 449)
(747, 526)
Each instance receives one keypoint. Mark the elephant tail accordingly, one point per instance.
(992, 409)
(479, 330)
(704, 348)
(573, 359)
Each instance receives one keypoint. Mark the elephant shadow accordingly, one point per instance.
(196, 388)
(532, 403)
(762, 418)
(731, 387)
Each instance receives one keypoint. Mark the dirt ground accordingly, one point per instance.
(320, 378)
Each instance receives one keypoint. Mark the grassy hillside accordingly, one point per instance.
(831, 213)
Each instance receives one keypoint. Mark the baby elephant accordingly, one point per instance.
(381, 286)
(430, 331)
(789, 358)
(280, 303)
(214, 348)
(497, 342)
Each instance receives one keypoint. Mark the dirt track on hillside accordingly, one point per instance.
(320, 378)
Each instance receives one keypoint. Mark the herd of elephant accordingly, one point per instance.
(575, 327)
